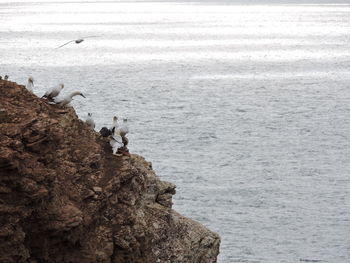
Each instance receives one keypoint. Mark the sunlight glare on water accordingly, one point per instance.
(244, 107)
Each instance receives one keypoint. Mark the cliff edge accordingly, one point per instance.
(64, 197)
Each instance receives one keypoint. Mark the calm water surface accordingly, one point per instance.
(245, 107)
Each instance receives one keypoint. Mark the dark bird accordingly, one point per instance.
(105, 132)
(6, 77)
(77, 41)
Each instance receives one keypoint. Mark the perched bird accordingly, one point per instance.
(105, 132)
(53, 92)
(6, 77)
(115, 124)
(123, 129)
(30, 84)
(77, 41)
(118, 135)
(0, 77)
(89, 121)
(116, 143)
(68, 98)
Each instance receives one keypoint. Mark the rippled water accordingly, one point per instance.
(245, 107)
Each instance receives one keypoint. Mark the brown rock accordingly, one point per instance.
(97, 189)
(64, 197)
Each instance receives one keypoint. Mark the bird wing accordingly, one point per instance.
(123, 130)
(89, 37)
(55, 91)
(117, 132)
(65, 44)
(114, 143)
(58, 99)
(117, 138)
(50, 91)
(47, 93)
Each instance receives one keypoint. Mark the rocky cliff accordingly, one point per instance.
(64, 197)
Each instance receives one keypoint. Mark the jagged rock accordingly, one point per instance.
(97, 189)
(66, 218)
(64, 197)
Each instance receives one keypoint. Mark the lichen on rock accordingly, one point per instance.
(64, 197)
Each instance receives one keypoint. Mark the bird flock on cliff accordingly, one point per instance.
(117, 132)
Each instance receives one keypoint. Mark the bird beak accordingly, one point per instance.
(82, 95)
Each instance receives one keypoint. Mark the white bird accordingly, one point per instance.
(53, 92)
(89, 121)
(77, 41)
(30, 84)
(118, 136)
(123, 129)
(115, 124)
(116, 143)
(68, 98)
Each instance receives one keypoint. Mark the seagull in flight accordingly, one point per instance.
(77, 41)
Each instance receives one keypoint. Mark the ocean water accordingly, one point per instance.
(244, 106)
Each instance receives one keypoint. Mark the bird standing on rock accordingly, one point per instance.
(105, 132)
(30, 84)
(119, 139)
(68, 98)
(6, 77)
(89, 121)
(123, 129)
(115, 124)
(53, 92)
(116, 143)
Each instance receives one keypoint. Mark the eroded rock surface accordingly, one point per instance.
(64, 197)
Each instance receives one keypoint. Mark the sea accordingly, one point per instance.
(244, 105)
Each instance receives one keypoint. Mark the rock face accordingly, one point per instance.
(64, 197)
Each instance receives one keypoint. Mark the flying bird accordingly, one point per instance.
(77, 41)
(53, 92)
(68, 98)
